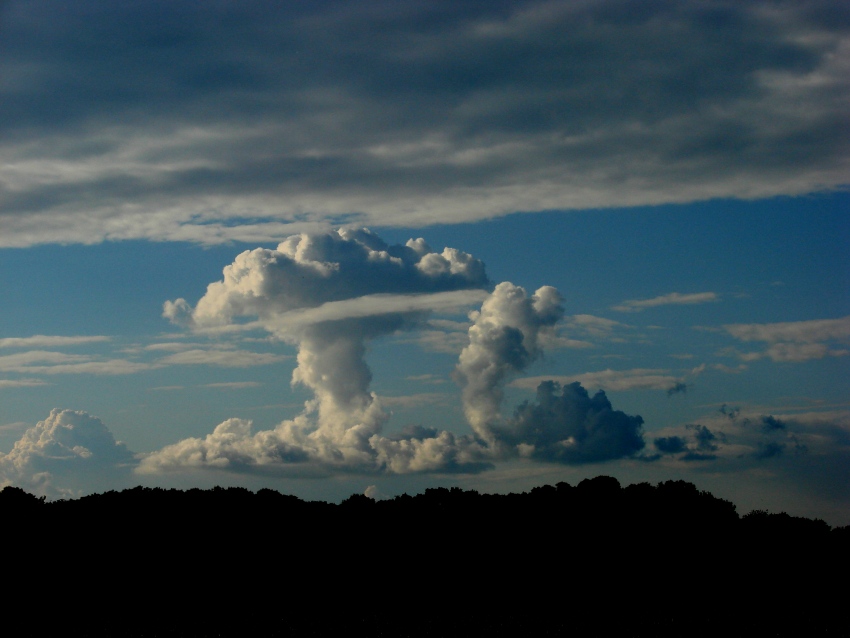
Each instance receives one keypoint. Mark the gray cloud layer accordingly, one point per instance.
(204, 122)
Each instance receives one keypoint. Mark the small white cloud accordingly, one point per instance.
(374, 493)
(178, 312)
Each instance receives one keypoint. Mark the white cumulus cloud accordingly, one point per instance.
(330, 294)
(74, 447)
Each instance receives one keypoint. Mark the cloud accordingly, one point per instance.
(414, 400)
(330, 294)
(65, 449)
(793, 331)
(222, 358)
(374, 493)
(14, 427)
(610, 380)
(699, 444)
(430, 379)
(795, 341)
(170, 346)
(348, 287)
(229, 446)
(677, 388)
(21, 383)
(672, 299)
(735, 440)
(333, 276)
(45, 341)
(47, 362)
(588, 327)
(573, 427)
(219, 122)
(728, 370)
(234, 385)
(441, 335)
(670, 444)
(595, 327)
(374, 305)
(503, 341)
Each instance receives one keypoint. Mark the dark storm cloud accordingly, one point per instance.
(697, 456)
(670, 444)
(677, 388)
(698, 444)
(573, 427)
(769, 449)
(706, 440)
(173, 120)
(770, 423)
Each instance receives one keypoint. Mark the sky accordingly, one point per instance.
(375, 247)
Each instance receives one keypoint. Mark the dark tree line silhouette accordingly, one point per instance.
(586, 560)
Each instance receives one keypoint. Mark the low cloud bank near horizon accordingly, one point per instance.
(219, 122)
(64, 454)
(331, 294)
(72, 453)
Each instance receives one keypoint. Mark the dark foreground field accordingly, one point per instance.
(594, 559)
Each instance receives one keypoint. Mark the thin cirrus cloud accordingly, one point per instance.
(610, 380)
(48, 362)
(21, 383)
(49, 341)
(795, 341)
(212, 123)
(234, 385)
(222, 358)
(51, 362)
(671, 299)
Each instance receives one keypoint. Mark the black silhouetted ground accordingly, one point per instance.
(596, 559)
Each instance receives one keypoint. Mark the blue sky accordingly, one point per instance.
(664, 185)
